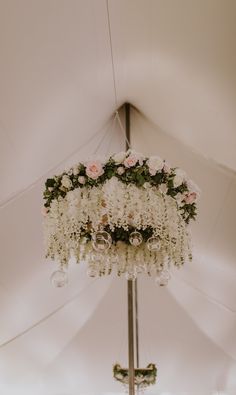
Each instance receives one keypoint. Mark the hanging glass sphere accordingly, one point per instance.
(101, 241)
(135, 239)
(59, 278)
(154, 243)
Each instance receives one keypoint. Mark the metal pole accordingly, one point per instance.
(131, 337)
(127, 124)
(130, 285)
(136, 321)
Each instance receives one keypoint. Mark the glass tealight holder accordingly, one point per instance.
(135, 239)
(154, 243)
(101, 241)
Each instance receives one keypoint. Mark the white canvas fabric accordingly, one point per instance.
(174, 61)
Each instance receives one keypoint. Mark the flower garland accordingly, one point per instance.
(130, 168)
(130, 211)
(142, 377)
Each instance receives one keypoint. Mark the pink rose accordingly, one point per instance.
(131, 160)
(190, 198)
(94, 169)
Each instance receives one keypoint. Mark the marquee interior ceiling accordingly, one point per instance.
(175, 61)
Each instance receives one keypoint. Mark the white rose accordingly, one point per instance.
(163, 188)
(179, 198)
(167, 167)
(150, 379)
(120, 170)
(119, 376)
(119, 157)
(66, 182)
(139, 379)
(75, 170)
(154, 164)
(179, 178)
(81, 180)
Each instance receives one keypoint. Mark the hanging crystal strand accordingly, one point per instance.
(169, 244)
(163, 276)
(108, 263)
(181, 232)
(189, 245)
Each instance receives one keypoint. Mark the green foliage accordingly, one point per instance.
(146, 376)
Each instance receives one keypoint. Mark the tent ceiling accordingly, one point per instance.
(175, 61)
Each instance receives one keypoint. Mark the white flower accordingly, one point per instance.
(147, 185)
(155, 164)
(119, 157)
(75, 170)
(81, 180)
(119, 376)
(167, 167)
(163, 188)
(179, 177)
(179, 198)
(150, 378)
(139, 379)
(66, 182)
(54, 208)
(120, 170)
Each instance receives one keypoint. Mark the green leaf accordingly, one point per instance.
(50, 182)
(140, 179)
(110, 173)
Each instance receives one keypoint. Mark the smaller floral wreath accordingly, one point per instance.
(130, 168)
(142, 377)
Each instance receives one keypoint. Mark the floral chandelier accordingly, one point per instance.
(128, 214)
